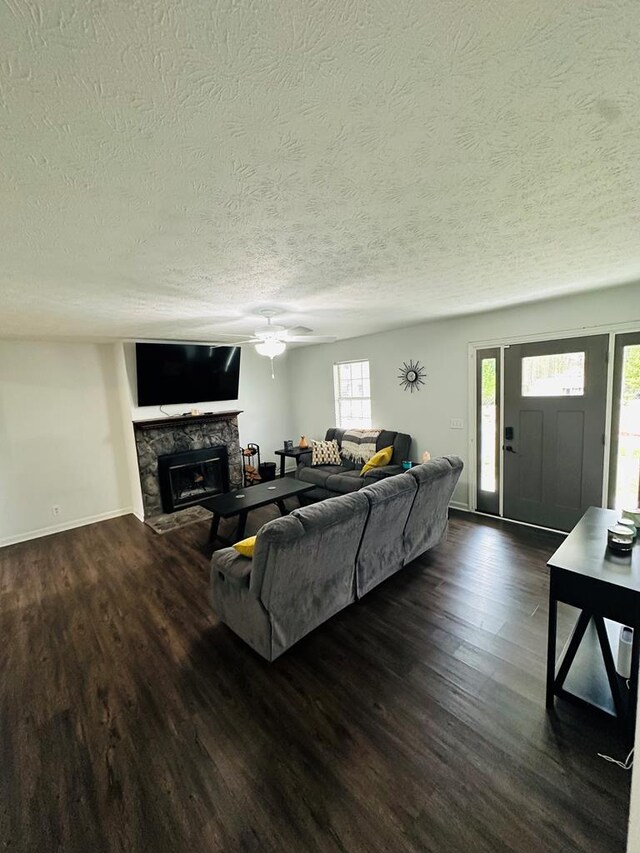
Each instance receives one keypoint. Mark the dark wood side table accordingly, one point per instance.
(294, 453)
(603, 586)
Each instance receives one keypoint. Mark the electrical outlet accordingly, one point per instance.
(456, 423)
(56, 509)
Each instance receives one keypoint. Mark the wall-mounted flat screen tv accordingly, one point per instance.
(186, 373)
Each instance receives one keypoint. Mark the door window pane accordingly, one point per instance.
(488, 416)
(557, 375)
(627, 481)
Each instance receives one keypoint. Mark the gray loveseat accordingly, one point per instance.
(342, 479)
(314, 562)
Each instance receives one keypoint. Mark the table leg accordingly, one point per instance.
(574, 643)
(551, 648)
(609, 665)
(633, 682)
(242, 523)
(283, 459)
(213, 530)
(282, 507)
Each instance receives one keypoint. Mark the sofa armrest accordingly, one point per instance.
(304, 460)
(231, 567)
(375, 474)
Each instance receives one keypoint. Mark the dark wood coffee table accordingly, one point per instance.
(603, 586)
(242, 501)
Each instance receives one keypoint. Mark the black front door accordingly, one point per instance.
(554, 419)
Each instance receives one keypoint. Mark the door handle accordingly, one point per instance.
(509, 449)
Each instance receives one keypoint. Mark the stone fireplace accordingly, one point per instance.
(216, 469)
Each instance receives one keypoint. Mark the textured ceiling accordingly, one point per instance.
(167, 167)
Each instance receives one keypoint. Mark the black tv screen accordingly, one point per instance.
(186, 373)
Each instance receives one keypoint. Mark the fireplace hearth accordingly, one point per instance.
(192, 476)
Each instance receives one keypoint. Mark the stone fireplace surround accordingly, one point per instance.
(175, 434)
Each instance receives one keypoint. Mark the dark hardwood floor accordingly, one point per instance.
(130, 720)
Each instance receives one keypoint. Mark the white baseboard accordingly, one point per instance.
(459, 505)
(465, 508)
(65, 525)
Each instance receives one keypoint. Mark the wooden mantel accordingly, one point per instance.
(181, 420)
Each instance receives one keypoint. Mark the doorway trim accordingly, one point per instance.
(611, 329)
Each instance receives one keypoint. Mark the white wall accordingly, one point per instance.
(66, 437)
(61, 438)
(266, 417)
(442, 346)
(633, 838)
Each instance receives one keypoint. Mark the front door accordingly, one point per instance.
(554, 425)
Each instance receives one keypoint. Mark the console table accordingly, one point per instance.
(603, 586)
(294, 453)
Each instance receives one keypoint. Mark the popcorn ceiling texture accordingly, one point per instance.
(167, 168)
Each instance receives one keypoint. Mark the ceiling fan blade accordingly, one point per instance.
(298, 331)
(310, 339)
(232, 335)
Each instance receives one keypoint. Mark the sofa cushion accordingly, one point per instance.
(427, 520)
(349, 465)
(318, 474)
(387, 437)
(344, 482)
(306, 572)
(375, 474)
(401, 445)
(382, 548)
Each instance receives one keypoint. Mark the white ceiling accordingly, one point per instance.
(167, 167)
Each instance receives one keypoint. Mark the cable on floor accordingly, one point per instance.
(627, 764)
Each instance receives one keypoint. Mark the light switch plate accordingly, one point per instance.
(457, 423)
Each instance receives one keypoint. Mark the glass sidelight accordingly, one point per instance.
(624, 483)
(487, 430)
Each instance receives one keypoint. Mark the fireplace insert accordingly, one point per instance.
(190, 477)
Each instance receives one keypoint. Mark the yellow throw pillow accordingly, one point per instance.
(382, 457)
(246, 546)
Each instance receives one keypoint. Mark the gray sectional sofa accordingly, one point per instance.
(314, 562)
(331, 480)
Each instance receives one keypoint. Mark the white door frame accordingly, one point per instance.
(611, 330)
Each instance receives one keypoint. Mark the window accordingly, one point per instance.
(625, 444)
(557, 375)
(487, 430)
(353, 394)
(488, 425)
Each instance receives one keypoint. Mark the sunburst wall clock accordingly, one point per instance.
(411, 376)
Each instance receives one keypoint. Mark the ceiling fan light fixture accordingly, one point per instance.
(271, 347)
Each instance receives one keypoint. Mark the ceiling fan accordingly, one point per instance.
(271, 340)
